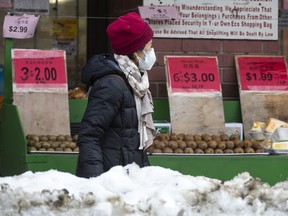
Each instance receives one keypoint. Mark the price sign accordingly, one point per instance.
(159, 12)
(39, 68)
(262, 73)
(20, 27)
(192, 74)
(5, 3)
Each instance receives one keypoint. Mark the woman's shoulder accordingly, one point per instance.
(111, 84)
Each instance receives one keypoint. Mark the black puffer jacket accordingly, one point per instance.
(108, 135)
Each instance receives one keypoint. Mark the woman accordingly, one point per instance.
(117, 126)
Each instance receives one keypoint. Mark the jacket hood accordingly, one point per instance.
(99, 66)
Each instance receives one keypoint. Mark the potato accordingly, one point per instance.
(247, 143)
(160, 145)
(30, 143)
(206, 137)
(256, 145)
(216, 138)
(228, 151)
(212, 144)
(173, 145)
(174, 137)
(198, 151)
(238, 143)
(42, 149)
(68, 138)
(178, 150)
(50, 149)
(221, 145)
(188, 137)
(58, 149)
(37, 145)
(224, 137)
(181, 136)
(55, 144)
(149, 149)
(181, 144)
(155, 141)
(45, 144)
(259, 150)
(202, 145)
(31, 148)
(229, 144)
(209, 151)
(52, 138)
(34, 138)
(234, 137)
(62, 145)
(191, 144)
(61, 138)
(197, 137)
(157, 150)
(167, 150)
(66, 142)
(218, 151)
(162, 137)
(189, 150)
(165, 142)
(68, 150)
(72, 145)
(249, 150)
(43, 138)
(157, 136)
(238, 150)
(28, 136)
(76, 149)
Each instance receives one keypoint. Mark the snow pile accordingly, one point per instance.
(132, 191)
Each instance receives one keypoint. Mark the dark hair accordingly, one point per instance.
(131, 56)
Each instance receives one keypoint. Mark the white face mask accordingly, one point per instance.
(148, 61)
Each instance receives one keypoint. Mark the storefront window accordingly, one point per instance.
(63, 28)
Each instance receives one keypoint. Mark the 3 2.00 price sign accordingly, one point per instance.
(39, 68)
(47, 75)
(193, 73)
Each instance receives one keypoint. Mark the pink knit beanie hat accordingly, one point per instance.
(129, 33)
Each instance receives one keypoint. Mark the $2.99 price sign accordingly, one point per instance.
(39, 68)
(192, 74)
(19, 26)
(262, 73)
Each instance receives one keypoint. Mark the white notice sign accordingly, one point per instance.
(224, 19)
(31, 6)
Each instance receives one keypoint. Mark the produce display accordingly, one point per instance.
(51, 143)
(203, 144)
(163, 143)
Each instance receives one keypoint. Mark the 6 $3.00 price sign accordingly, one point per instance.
(192, 74)
(39, 69)
(262, 73)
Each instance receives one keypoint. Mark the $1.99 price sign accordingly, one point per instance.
(262, 73)
(192, 74)
(39, 68)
